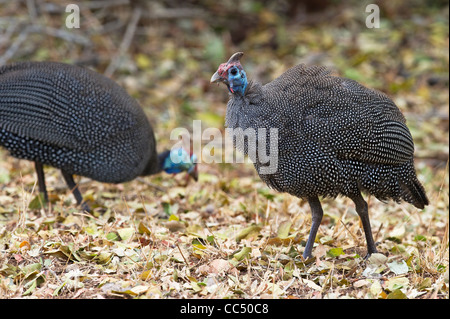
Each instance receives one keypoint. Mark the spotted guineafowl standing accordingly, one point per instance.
(335, 137)
(81, 122)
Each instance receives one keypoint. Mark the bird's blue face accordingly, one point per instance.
(232, 74)
(178, 160)
(237, 80)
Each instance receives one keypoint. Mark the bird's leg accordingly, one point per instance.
(75, 190)
(41, 179)
(317, 214)
(363, 212)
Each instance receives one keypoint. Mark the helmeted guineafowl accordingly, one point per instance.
(335, 137)
(81, 122)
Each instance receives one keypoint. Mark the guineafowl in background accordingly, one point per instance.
(335, 137)
(81, 122)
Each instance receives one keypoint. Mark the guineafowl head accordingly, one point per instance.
(232, 74)
(178, 160)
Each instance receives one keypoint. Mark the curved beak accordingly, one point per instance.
(193, 172)
(216, 78)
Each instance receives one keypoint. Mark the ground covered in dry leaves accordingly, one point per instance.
(211, 240)
(228, 235)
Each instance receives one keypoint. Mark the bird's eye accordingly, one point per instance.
(233, 72)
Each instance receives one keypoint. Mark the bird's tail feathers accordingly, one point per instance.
(414, 193)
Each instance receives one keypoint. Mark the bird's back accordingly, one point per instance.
(74, 119)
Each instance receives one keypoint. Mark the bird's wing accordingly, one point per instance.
(340, 115)
(364, 134)
(63, 105)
